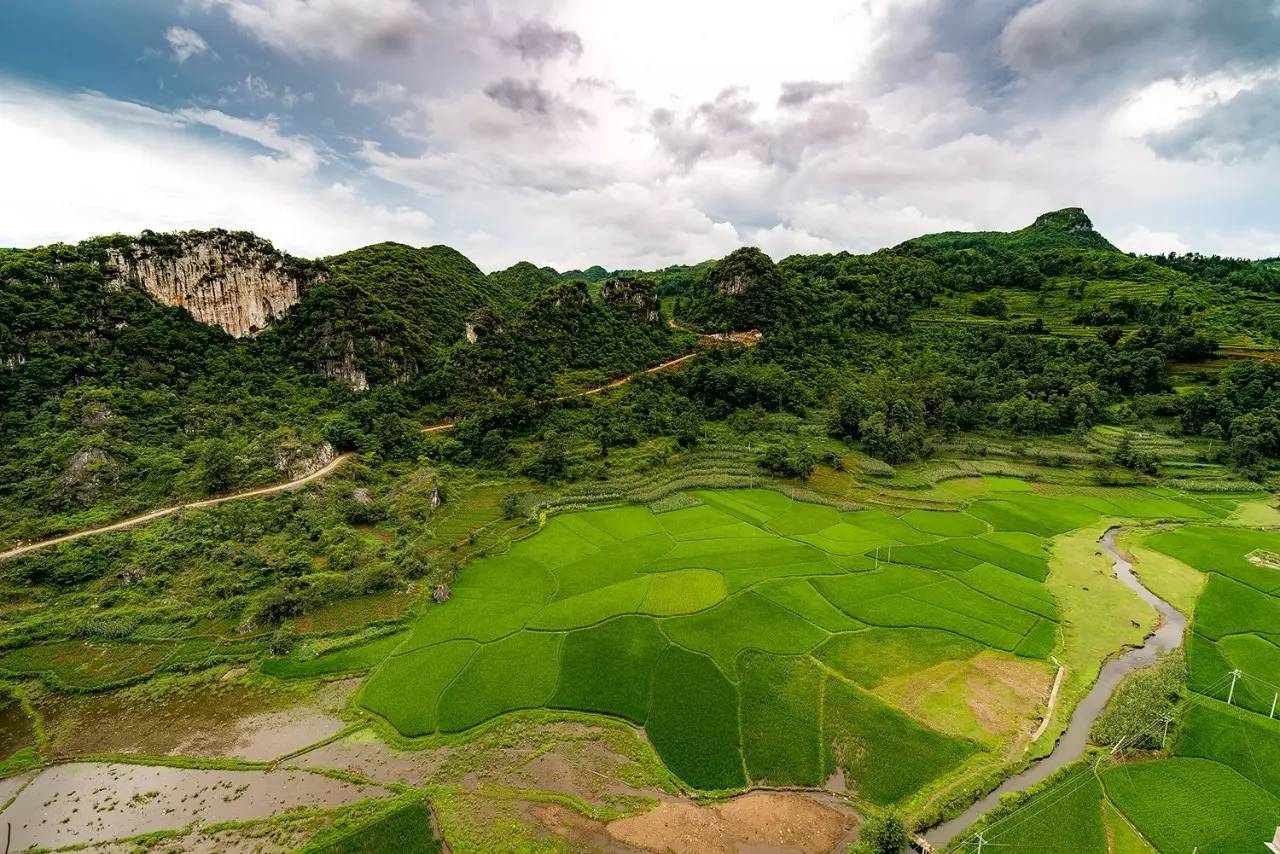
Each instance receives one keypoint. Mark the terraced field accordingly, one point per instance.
(760, 639)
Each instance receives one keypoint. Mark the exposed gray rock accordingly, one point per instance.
(220, 278)
(637, 295)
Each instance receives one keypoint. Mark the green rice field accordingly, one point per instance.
(1216, 789)
(747, 632)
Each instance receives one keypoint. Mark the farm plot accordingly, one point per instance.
(1218, 788)
(1236, 623)
(756, 638)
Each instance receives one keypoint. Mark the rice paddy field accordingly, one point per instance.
(763, 640)
(1215, 788)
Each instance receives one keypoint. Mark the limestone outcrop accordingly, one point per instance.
(634, 295)
(230, 279)
(482, 324)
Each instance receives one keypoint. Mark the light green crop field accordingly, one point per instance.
(1185, 804)
(1218, 788)
(749, 633)
(1236, 622)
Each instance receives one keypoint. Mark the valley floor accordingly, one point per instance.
(868, 642)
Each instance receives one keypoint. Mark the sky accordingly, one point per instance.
(640, 134)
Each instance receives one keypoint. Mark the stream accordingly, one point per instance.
(1070, 747)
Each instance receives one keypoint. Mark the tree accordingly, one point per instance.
(494, 447)
(896, 433)
(343, 433)
(851, 408)
(688, 428)
(552, 461)
(992, 305)
(1110, 335)
(216, 465)
(797, 461)
(883, 833)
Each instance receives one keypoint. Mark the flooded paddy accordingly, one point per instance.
(219, 719)
(81, 803)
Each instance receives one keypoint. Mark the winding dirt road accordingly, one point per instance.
(325, 470)
(168, 511)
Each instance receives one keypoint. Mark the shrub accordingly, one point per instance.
(992, 305)
(882, 833)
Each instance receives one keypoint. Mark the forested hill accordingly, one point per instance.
(138, 370)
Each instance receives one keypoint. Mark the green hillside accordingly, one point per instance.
(1069, 228)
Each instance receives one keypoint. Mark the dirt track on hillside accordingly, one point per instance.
(747, 339)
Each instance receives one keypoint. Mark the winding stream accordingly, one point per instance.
(1070, 747)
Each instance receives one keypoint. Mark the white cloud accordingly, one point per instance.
(1145, 241)
(781, 240)
(1248, 243)
(292, 153)
(185, 43)
(383, 93)
(340, 28)
(96, 166)
(831, 126)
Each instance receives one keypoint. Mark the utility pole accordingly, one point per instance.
(1167, 720)
(1274, 697)
(1235, 674)
(982, 840)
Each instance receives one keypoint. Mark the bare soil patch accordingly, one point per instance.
(755, 822)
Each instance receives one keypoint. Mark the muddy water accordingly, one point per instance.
(85, 802)
(1072, 744)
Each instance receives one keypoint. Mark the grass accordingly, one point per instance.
(609, 668)
(518, 672)
(352, 659)
(872, 656)
(1099, 616)
(1063, 819)
(1170, 579)
(1221, 550)
(746, 621)
(781, 719)
(693, 721)
(799, 596)
(1247, 743)
(1182, 804)
(1229, 607)
(1122, 837)
(1063, 814)
(884, 754)
(404, 828)
(406, 689)
(945, 524)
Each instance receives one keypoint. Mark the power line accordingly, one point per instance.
(1077, 777)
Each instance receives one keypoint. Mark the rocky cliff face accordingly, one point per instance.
(743, 271)
(482, 324)
(236, 281)
(634, 295)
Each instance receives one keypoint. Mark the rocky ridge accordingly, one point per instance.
(236, 281)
